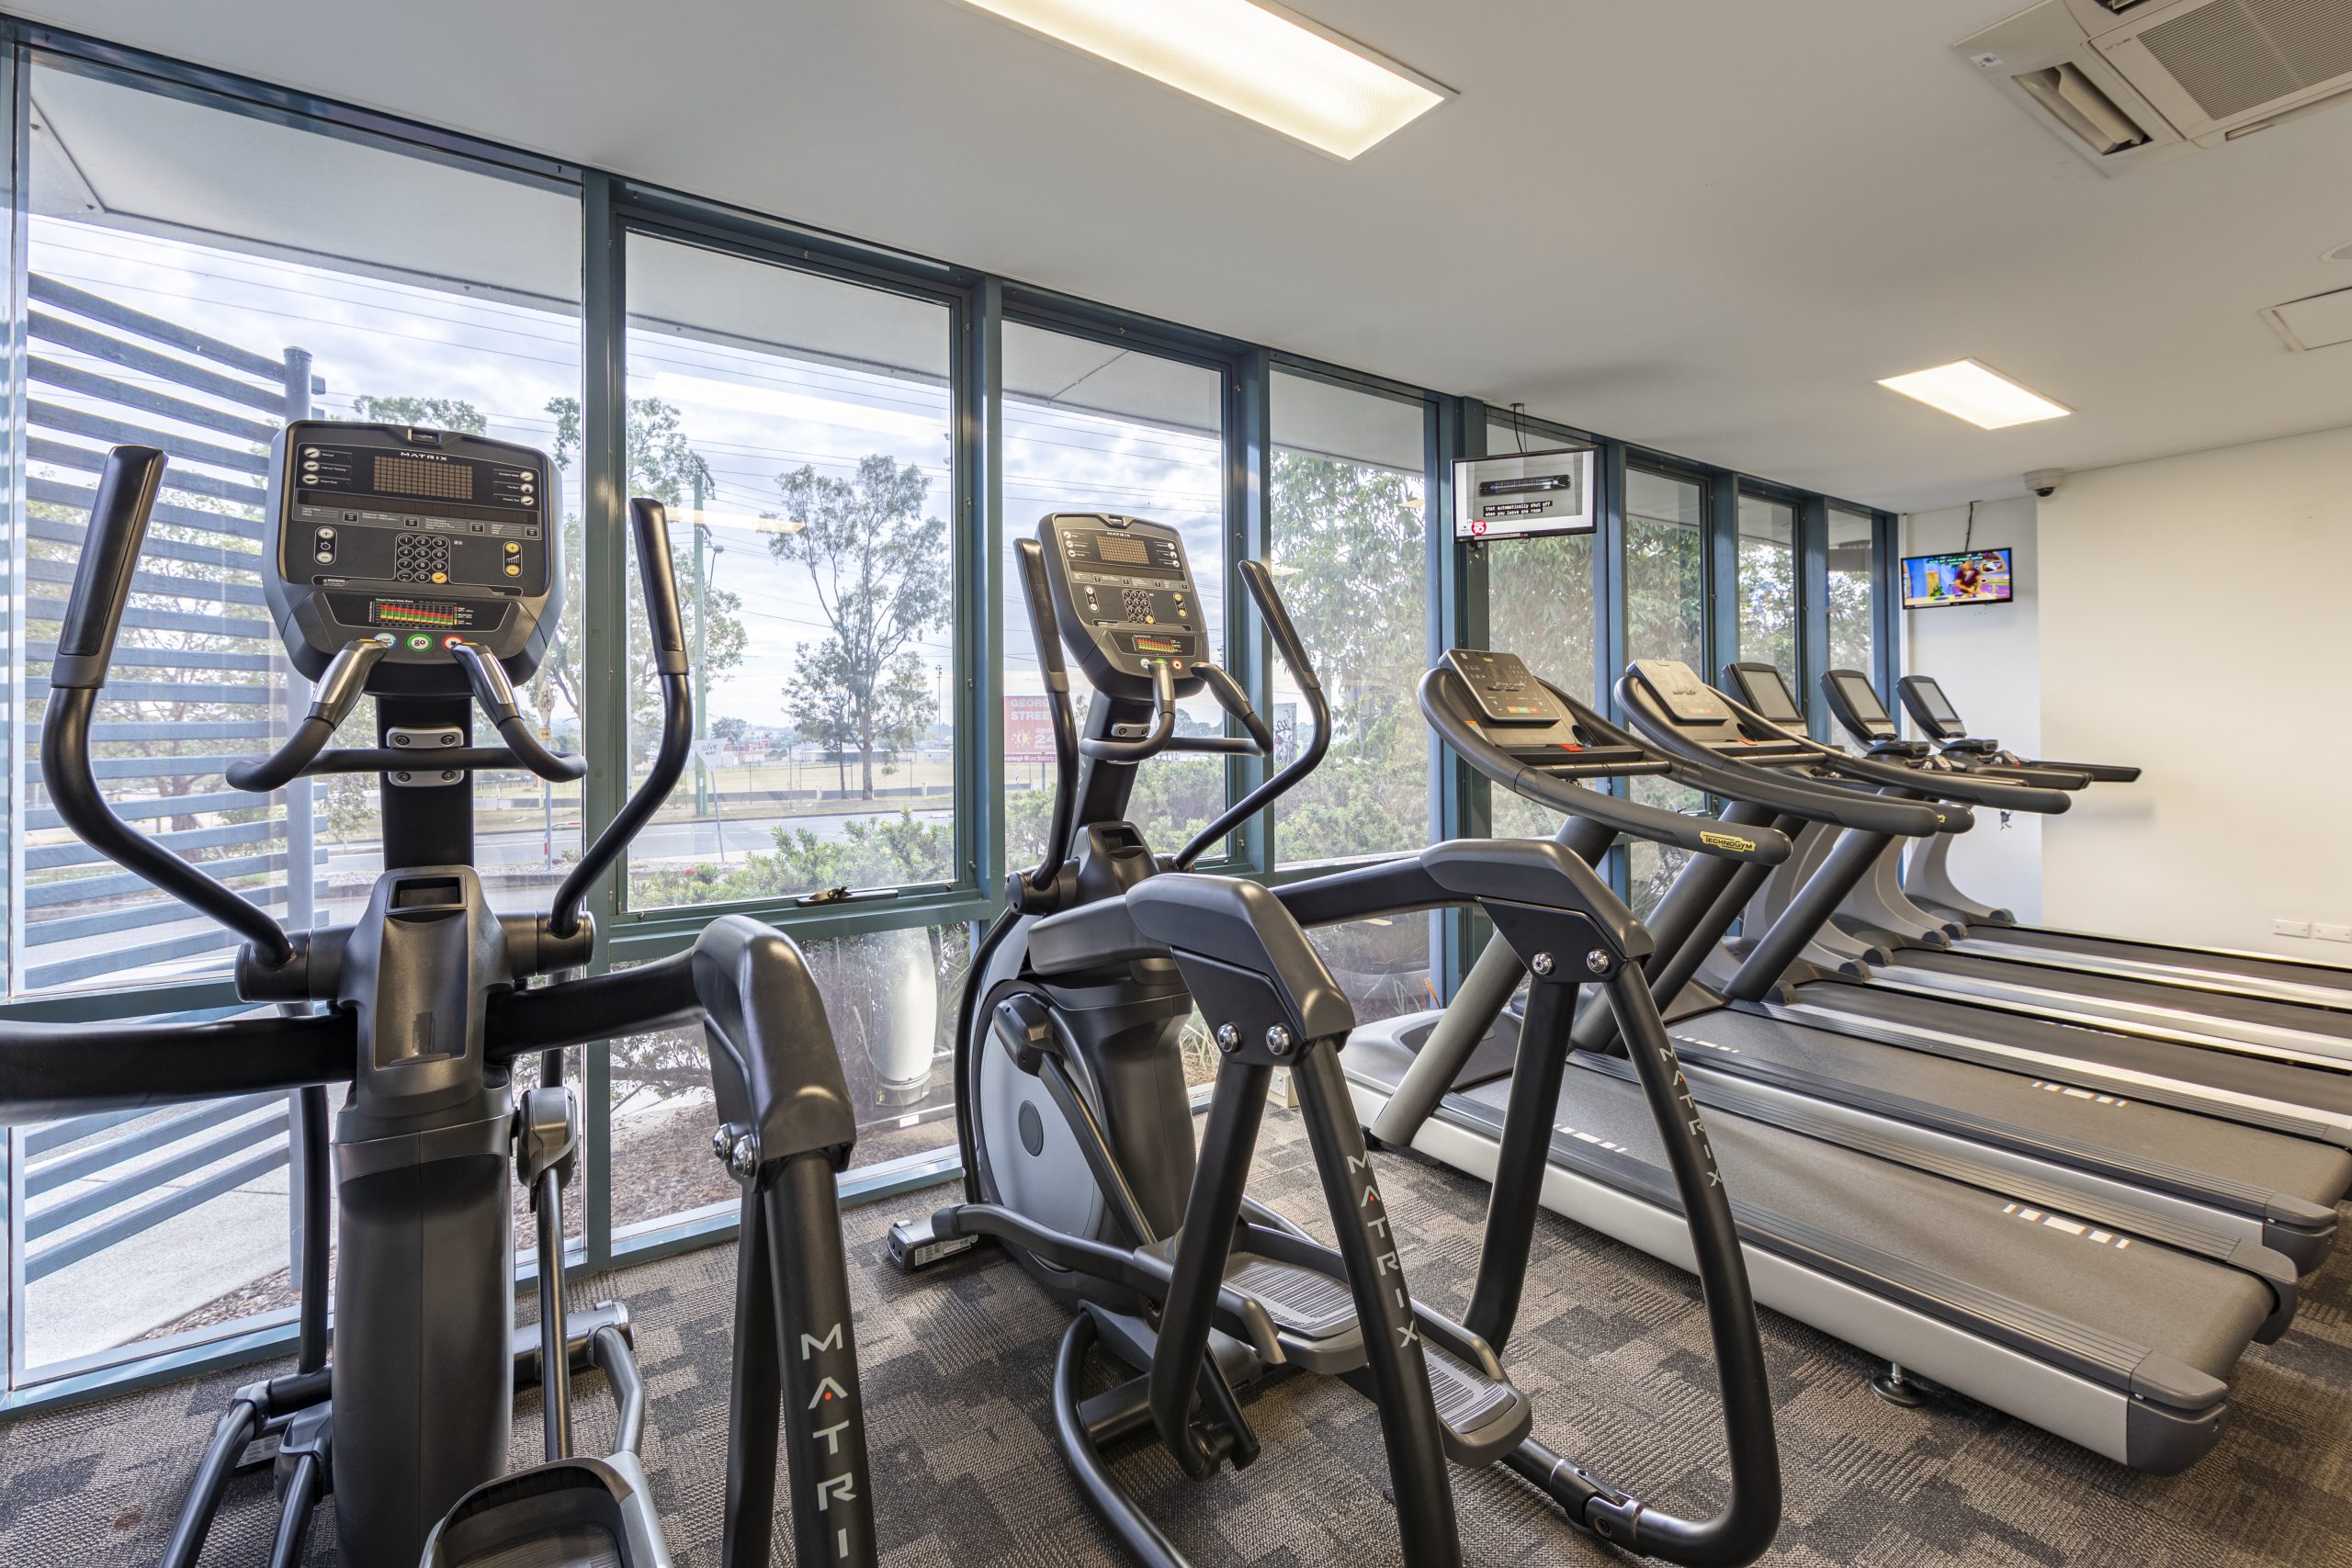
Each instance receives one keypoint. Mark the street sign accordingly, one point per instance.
(711, 752)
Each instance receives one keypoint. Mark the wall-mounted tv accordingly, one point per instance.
(1969, 577)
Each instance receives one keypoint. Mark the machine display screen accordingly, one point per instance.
(1973, 577)
(1931, 697)
(1856, 689)
(413, 476)
(1768, 694)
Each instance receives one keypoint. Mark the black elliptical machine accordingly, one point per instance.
(1077, 1123)
(419, 568)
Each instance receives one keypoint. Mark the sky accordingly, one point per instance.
(751, 414)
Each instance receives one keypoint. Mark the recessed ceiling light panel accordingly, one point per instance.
(1259, 61)
(1972, 390)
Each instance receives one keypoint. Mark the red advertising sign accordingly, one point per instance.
(1028, 729)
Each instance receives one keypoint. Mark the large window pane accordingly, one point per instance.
(1350, 554)
(798, 429)
(1540, 606)
(1090, 426)
(1853, 590)
(1767, 582)
(1666, 591)
(1666, 617)
(890, 999)
(198, 278)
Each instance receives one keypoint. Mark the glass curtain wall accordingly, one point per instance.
(1767, 584)
(1090, 426)
(1853, 590)
(1540, 605)
(1666, 617)
(1348, 526)
(194, 277)
(798, 429)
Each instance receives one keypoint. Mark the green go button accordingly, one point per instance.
(420, 642)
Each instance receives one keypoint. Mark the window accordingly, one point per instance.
(1540, 605)
(1092, 426)
(180, 298)
(798, 428)
(890, 1000)
(1767, 582)
(1853, 590)
(1349, 553)
(1666, 617)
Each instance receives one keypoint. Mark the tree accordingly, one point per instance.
(880, 569)
(731, 729)
(431, 414)
(661, 464)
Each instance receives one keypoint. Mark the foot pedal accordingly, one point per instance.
(1302, 1302)
(917, 1243)
(1483, 1418)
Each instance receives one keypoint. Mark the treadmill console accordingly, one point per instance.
(1123, 593)
(418, 538)
(1764, 689)
(1855, 702)
(1930, 709)
(1503, 689)
(1686, 699)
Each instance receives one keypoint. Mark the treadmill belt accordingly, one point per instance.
(2318, 1173)
(2201, 1313)
(2248, 966)
(2317, 1087)
(2097, 988)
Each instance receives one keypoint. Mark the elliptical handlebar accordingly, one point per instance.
(94, 614)
(649, 524)
(338, 691)
(495, 694)
(1157, 739)
(1292, 653)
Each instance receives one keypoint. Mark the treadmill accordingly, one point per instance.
(1966, 1263)
(1899, 944)
(1826, 978)
(1994, 933)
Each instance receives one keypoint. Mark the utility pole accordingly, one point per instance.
(702, 617)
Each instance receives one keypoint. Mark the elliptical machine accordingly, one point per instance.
(1077, 1128)
(419, 568)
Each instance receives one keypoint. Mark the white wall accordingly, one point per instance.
(2193, 619)
(1988, 658)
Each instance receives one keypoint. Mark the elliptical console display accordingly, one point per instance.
(424, 537)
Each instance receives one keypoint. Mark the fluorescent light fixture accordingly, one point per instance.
(1256, 60)
(1972, 390)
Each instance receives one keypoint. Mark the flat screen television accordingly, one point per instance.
(1969, 577)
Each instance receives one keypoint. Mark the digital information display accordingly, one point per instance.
(1524, 494)
(414, 476)
(1973, 577)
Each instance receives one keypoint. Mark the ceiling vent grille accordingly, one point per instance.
(2235, 55)
(2132, 83)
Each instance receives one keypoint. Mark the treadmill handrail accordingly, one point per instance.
(1814, 802)
(1631, 817)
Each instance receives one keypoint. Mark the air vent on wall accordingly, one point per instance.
(2130, 83)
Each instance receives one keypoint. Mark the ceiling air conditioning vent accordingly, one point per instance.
(2130, 83)
(2077, 103)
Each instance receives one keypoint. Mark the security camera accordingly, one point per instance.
(2044, 482)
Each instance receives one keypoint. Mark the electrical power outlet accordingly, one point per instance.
(2291, 927)
(2326, 933)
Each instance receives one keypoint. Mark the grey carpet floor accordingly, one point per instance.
(1612, 1344)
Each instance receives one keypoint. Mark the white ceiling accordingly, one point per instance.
(1707, 225)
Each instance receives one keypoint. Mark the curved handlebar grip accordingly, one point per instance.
(648, 522)
(1163, 725)
(1276, 614)
(109, 557)
(1233, 700)
(338, 693)
(496, 696)
(1038, 592)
